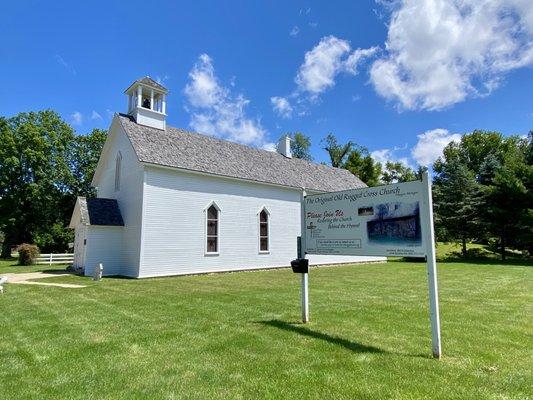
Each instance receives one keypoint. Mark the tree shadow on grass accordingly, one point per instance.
(483, 261)
(350, 345)
(520, 262)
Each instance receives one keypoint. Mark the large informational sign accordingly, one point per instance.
(391, 220)
(375, 221)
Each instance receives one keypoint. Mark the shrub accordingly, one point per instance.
(27, 253)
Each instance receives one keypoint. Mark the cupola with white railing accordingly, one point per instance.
(147, 102)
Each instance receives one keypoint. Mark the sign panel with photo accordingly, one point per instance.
(375, 221)
(391, 220)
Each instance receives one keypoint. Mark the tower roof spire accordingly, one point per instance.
(149, 82)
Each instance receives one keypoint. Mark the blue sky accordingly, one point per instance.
(401, 78)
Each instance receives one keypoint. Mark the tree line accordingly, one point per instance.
(481, 185)
(44, 166)
(356, 159)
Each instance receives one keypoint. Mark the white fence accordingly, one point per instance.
(63, 258)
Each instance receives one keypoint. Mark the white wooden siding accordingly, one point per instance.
(174, 224)
(79, 246)
(129, 197)
(104, 245)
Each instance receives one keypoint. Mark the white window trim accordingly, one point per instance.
(118, 171)
(259, 230)
(212, 253)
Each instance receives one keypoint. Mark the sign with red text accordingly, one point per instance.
(375, 221)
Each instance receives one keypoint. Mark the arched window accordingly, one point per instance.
(263, 231)
(212, 229)
(118, 162)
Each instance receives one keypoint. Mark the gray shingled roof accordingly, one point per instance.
(98, 211)
(179, 148)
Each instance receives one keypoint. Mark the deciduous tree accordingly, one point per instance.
(84, 152)
(499, 169)
(43, 167)
(395, 172)
(301, 146)
(337, 152)
(361, 164)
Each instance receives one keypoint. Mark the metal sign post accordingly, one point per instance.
(432, 270)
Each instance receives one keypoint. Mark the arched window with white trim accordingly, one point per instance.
(118, 166)
(212, 229)
(264, 230)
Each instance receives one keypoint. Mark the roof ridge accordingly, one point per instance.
(217, 139)
(189, 150)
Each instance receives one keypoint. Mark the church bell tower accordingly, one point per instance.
(147, 102)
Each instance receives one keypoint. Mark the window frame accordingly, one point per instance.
(118, 171)
(206, 235)
(259, 237)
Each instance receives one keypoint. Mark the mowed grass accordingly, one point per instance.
(238, 336)
(11, 266)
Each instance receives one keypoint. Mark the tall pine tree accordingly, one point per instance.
(458, 199)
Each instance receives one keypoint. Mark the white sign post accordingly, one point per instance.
(432, 269)
(390, 220)
(305, 276)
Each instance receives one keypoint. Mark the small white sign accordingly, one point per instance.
(375, 221)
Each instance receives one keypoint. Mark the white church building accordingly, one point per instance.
(173, 202)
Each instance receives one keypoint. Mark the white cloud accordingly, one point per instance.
(162, 79)
(294, 31)
(216, 111)
(319, 71)
(357, 57)
(110, 113)
(321, 65)
(428, 148)
(269, 147)
(281, 106)
(431, 144)
(324, 62)
(381, 156)
(384, 155)
(96, 116)
(77, 118)
(440, 52)
(203, 89)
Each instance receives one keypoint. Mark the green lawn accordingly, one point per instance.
(237, 336)
(446, 251)
(9, 266)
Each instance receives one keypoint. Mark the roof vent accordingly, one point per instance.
(284, 146)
